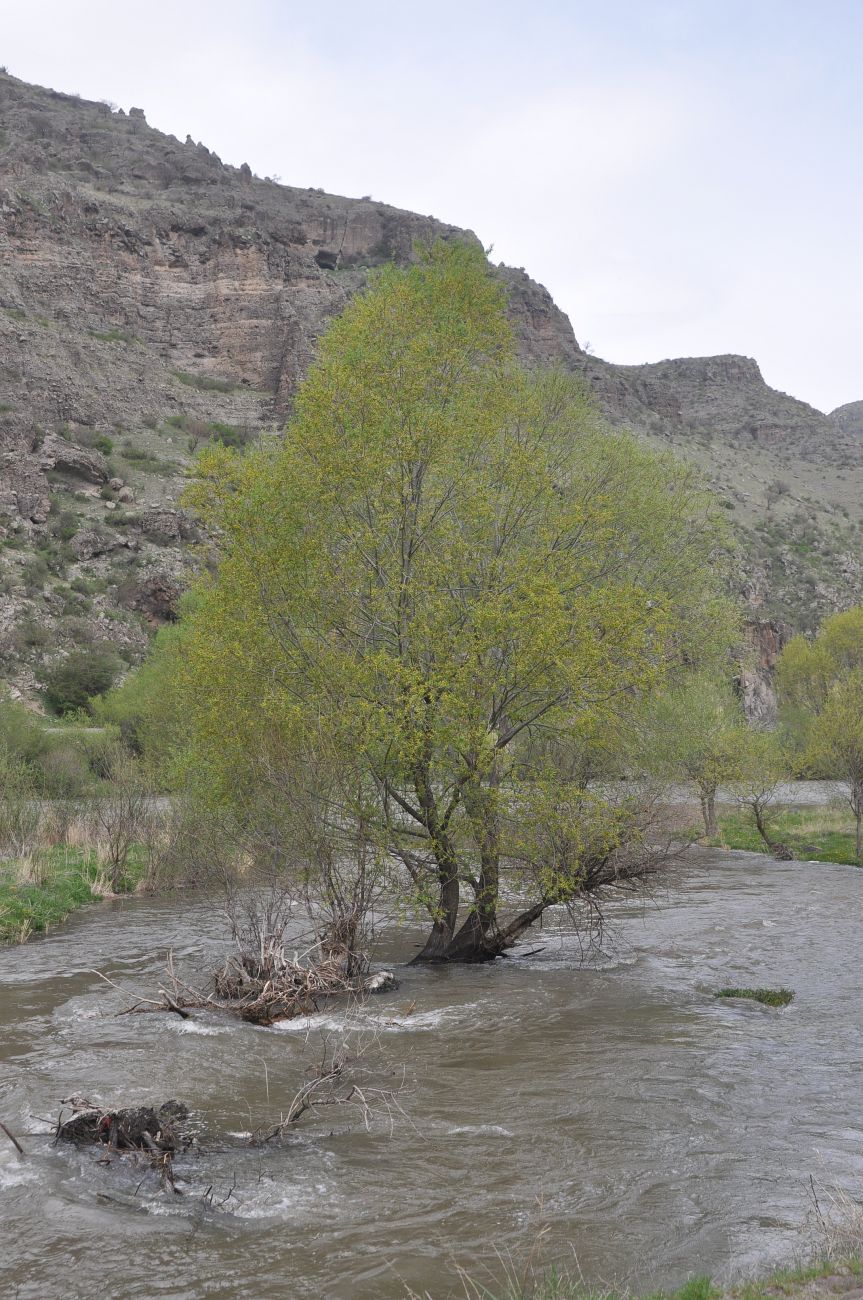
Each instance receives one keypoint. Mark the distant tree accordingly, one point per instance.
(835, 744)
(762, 768)
(74, 680)
(808, 671)
(696, 733)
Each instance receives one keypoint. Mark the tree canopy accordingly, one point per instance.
(821, 697)
(445, 579)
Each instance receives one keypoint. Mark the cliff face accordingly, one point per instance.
(152, 298)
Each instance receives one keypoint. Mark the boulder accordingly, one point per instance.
(82, 462)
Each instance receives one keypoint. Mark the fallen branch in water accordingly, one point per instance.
(339, 1079)
(12, 1138)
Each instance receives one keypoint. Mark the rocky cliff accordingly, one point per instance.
(152, 298)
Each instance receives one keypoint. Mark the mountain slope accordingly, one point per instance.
(152, 298)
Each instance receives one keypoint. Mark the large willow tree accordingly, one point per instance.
(444, 581)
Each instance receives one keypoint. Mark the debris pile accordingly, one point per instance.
(139, 1131)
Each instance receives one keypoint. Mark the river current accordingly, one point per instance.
(611, 1104)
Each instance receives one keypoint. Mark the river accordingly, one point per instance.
(648, 1128)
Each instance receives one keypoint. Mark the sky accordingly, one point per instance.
(685, 178)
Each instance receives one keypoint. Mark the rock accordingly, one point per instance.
(81, 462)
(90, 542)
(157, 595)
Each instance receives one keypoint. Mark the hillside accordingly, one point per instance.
(152, 298)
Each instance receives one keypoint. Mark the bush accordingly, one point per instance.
(64, 526)
(83, 674)
(34, 571)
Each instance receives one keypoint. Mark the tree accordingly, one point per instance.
(835, 744)
(762, 768)
(74, 680)
(821, 705)
(808, 671)
(448, 574)
(697, 732)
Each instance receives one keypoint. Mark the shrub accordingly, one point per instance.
(34, 571)
(64, 526)
(73, 681)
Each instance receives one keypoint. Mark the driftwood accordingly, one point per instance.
(12, 1138)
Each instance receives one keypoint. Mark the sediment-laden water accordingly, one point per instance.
(651, 1129)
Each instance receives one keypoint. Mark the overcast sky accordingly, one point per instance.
(685, 177)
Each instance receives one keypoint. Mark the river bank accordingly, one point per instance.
(40, 890)
(822, 833)
(822, 1279)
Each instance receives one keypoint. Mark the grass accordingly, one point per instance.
(768, 997)
(206, 383)
(39, 890)
(113, 336)
(814, 834)
(561, 1284)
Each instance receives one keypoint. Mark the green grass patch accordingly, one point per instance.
(813, 834)
(39, 894)
(146, 461)
(206, 383)
(768, 997)
(113, 336)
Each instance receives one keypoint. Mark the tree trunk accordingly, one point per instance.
(436, 946)
(858, 843)
(477, 943)
(708, 810)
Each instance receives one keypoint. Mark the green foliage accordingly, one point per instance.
(64, 526)
(73, 681)
(821, 694)
(807, 671)
(34, 572)
(147, 709)
(145, 460)
(696, 732)
(447, 561)
(768, 997)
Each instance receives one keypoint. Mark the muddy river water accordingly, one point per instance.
(646, 1128)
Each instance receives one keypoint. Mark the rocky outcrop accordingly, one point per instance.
(849, 418)
(79, 462)
(766, 638)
